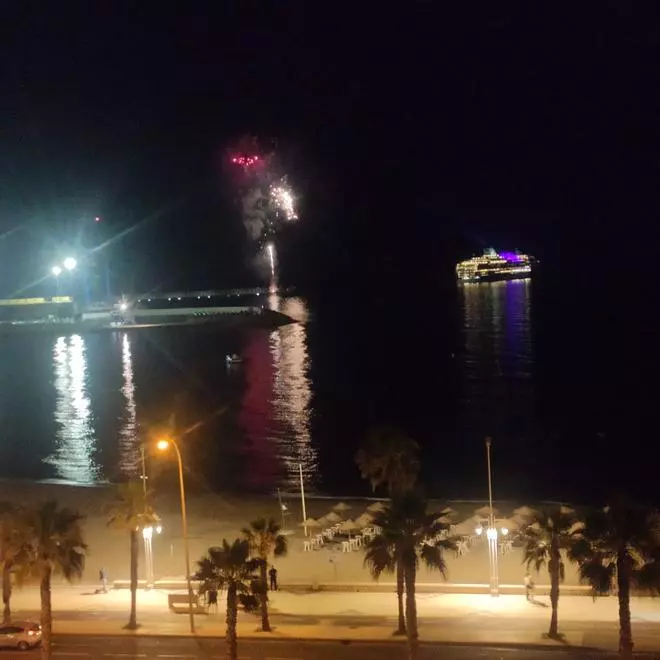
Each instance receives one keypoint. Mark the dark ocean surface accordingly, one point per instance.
(561, 373)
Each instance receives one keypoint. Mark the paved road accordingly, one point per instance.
(181, 648)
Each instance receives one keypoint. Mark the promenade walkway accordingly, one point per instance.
(457, 618)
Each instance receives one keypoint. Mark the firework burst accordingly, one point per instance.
(265, 196)
(283, 200)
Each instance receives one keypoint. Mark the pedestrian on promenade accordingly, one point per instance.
(103, 576)
(529, 587)
(272, 574)
(213, 599)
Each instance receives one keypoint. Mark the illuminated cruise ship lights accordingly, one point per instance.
(493, 266)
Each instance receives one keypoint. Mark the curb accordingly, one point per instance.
(391, 639)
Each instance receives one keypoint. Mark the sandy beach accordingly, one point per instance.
(213, 517)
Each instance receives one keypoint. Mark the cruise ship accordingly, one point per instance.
(493, 266)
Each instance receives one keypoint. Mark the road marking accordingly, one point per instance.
(69, 654)
(124, 655)
(185, 657)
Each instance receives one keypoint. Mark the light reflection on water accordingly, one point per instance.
(275, 407)
(128, 447)
(75, 438)
(292, 391)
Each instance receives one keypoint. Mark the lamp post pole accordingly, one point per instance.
(147, 531)
(184, 527)
(302, 497)
(491, 533)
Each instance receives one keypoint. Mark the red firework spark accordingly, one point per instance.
(245, 161)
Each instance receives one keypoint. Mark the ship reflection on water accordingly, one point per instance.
(498, 396)
(275, 409)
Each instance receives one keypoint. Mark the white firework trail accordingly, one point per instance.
(270, 248)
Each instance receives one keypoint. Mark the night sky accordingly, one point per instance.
(415, 134)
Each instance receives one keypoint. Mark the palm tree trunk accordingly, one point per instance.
(411, 610)
(401, 630)
(46, 614)
(132, 621)
(625, 628)
(554, 565)
(263, 597)
(6, 592)
(232, 616)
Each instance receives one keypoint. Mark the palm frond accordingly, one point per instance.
(409, 535)
(281, 546)
(432, 558)
(598, 575)
(380, 556)
(647, 577)
(390, 459)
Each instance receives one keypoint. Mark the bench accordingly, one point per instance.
(179, 603)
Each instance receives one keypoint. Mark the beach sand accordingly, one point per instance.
(213, 517)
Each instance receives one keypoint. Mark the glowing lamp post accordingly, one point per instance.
(163, 445)
(491, 532)
(70, 263)
(56, 270)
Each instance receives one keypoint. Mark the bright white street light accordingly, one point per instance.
(56, 270)
(70, 263)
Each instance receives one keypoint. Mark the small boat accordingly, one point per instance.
(233, 359)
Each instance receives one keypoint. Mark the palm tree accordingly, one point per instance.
(56, 546)
(230, 567)
(265, 540)
(14, 545)
(409, 536)
(550, 531)
(617, 551)
(383, 555)
(130, 512)
(389, 458)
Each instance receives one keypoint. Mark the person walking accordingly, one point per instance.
(272, 574)
(103, 576)
(212, 599)
(529, 587)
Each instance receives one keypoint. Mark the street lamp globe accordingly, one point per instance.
(70, 263)
(56, 270)
(163, 445)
